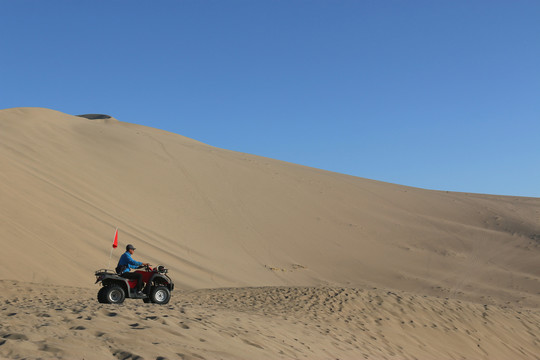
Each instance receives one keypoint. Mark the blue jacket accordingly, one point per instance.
(127, 261)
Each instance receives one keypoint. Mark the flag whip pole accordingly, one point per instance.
(110, 257)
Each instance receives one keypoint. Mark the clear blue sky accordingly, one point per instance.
(434, 94)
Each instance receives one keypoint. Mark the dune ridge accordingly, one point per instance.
(96, 116)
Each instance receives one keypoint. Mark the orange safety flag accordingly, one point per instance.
(115, 243)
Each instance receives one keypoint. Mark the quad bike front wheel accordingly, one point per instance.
(160, 295)
(112, 294)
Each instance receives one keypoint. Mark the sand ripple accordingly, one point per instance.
(261, 323)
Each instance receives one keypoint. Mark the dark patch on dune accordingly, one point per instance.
(95, 116)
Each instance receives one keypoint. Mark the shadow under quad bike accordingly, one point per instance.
(116, 288)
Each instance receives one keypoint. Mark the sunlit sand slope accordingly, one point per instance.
(220, 218)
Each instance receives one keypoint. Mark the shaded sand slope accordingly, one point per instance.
(221, 218)
(261, 323)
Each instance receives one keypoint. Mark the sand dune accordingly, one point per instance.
(218, 218)
(221, 218)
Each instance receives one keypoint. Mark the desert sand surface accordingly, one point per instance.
(261, 323)
(270, 259)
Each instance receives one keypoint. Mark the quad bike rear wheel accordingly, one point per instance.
(112, 294)
(101, 295)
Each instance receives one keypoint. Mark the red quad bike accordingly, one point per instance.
(116, 288)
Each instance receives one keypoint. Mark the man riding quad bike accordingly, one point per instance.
(116, 288)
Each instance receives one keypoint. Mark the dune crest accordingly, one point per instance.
(96, 117)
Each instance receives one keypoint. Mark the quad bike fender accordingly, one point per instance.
(159, 279)
(118, 281)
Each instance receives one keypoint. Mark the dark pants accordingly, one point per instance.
(135, 276)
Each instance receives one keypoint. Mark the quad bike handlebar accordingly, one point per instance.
(158, 269)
